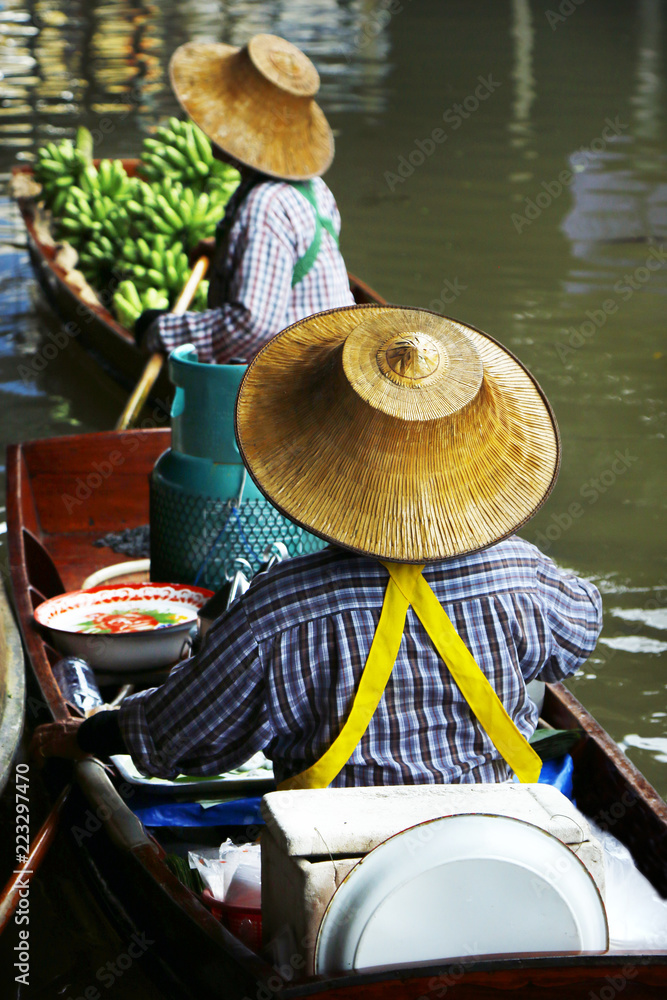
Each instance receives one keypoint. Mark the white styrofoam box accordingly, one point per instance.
(313, 838)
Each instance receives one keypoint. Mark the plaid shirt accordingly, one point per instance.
(279, 669)
(274, 227)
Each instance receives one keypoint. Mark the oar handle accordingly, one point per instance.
(190, 287)
(153, 368)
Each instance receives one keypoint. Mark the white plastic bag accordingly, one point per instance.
(207, 862)
(636, 913)
(243, 874)
(232, 873)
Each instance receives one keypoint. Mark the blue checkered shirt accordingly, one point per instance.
(279, 670)
(273, 228)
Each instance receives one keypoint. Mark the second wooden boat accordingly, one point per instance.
(87, 319)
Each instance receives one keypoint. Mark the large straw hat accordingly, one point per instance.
(256, 103)
(396, 432)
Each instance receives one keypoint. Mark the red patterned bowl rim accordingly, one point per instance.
(180, 593)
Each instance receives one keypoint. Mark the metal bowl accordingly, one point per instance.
(125, 628)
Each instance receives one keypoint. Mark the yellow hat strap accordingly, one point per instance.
(407, 587)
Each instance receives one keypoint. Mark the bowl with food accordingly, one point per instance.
(125, 628)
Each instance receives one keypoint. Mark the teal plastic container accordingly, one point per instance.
(205, 511)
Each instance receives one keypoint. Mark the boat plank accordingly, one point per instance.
(77, 451)
(69, 492)
(65, 501)
(78, 557)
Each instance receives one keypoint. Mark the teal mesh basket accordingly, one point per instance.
(195, 539)
(205, 512)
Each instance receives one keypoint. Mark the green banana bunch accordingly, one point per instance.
(57, 169)
(112, 180)
(184, 216)
(81, 217)
(99, 258)
(129, 304)
(181, 152)
(159, 264)
(84, 143)
(142, 227)
(97, 226)
(174, 211)
(94, 218)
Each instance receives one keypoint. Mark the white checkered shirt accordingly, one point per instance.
(274, 227)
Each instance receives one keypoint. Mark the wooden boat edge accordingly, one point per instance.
(12, 689)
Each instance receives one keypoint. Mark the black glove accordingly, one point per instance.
(142, 323)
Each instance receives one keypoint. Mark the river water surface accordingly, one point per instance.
(501, 162)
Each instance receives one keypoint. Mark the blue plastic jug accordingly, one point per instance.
(205, 511)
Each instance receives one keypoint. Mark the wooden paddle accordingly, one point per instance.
(22, 875)
(156, 361)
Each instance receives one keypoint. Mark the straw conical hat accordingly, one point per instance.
(256, 103)
(396, 432)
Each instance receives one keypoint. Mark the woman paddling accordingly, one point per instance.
(275, 258)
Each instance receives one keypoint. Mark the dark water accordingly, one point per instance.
(500, 162)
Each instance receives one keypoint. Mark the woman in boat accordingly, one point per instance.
(276, 257)
(410, 443)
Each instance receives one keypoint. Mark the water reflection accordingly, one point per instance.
(656, 744)
(654, 617)
(523, 36)
(619, 190)
(111, 58)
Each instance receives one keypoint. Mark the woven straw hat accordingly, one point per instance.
(256, 103)
(397, 432)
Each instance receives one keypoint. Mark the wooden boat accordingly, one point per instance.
(52, 550)
(12, 690)
(93, 325)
